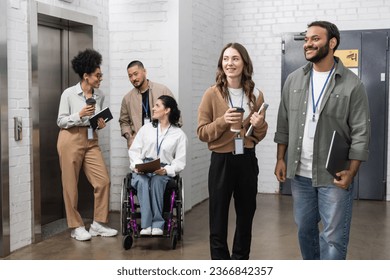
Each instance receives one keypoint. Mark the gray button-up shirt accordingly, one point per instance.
(344, 108)
(72, 101)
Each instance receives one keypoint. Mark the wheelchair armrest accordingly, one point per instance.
(128, 181)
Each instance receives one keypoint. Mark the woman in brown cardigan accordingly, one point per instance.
(234, 168)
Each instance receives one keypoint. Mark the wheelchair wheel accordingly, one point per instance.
(182, 209)
(179, 220)
(124, 206)
(174, 236)
(127, 242)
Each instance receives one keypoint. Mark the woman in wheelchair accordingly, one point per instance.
(162, 138)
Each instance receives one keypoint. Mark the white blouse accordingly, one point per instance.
(171, 144)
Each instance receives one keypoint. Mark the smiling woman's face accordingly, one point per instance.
(95, 78)
(232, 63)
(159, 110)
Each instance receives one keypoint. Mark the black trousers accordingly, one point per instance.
(232, 175)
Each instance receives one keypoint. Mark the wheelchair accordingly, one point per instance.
(173, 212)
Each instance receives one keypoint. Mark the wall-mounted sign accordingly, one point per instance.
(350, 58)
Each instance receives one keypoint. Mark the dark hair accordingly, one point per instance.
(246, 78)
(174, 115)
(134, 63)
(332, 30)
(86, 62)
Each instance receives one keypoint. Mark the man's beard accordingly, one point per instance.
(322, 53)
(140, 84)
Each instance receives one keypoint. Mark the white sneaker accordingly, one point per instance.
(80, 234)
(102, 230)
(146, 231)
(157, 231)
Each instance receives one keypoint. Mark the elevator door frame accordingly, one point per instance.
(39, 11)
(4, 142)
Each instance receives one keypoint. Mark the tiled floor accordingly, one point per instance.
(274, 237)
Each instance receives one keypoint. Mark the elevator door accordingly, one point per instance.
(58, 42)
(50, 87)
(372, 48)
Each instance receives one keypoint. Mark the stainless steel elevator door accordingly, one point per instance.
(58, 42)
(50, 67)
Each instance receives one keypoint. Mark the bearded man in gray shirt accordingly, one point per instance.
(318, 99)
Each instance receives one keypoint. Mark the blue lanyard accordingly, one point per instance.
(158, 147)
(242, 99)
(146, 106)
(315, 104)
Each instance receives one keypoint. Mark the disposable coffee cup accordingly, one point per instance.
(90, 101)
(236, 127)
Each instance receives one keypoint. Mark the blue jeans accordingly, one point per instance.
(331, 205)
(150, 192)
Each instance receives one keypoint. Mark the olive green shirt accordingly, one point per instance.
(344, 108)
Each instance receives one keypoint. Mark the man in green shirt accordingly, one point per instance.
(317, 99)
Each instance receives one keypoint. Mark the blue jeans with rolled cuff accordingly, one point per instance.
(333, 207)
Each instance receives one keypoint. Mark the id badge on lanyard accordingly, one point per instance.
(90, 133)
(146, 120)
(238, 145)
(312, 127)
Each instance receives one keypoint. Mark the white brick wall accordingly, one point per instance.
(148, 31)
(206, 47)
(18, 105)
